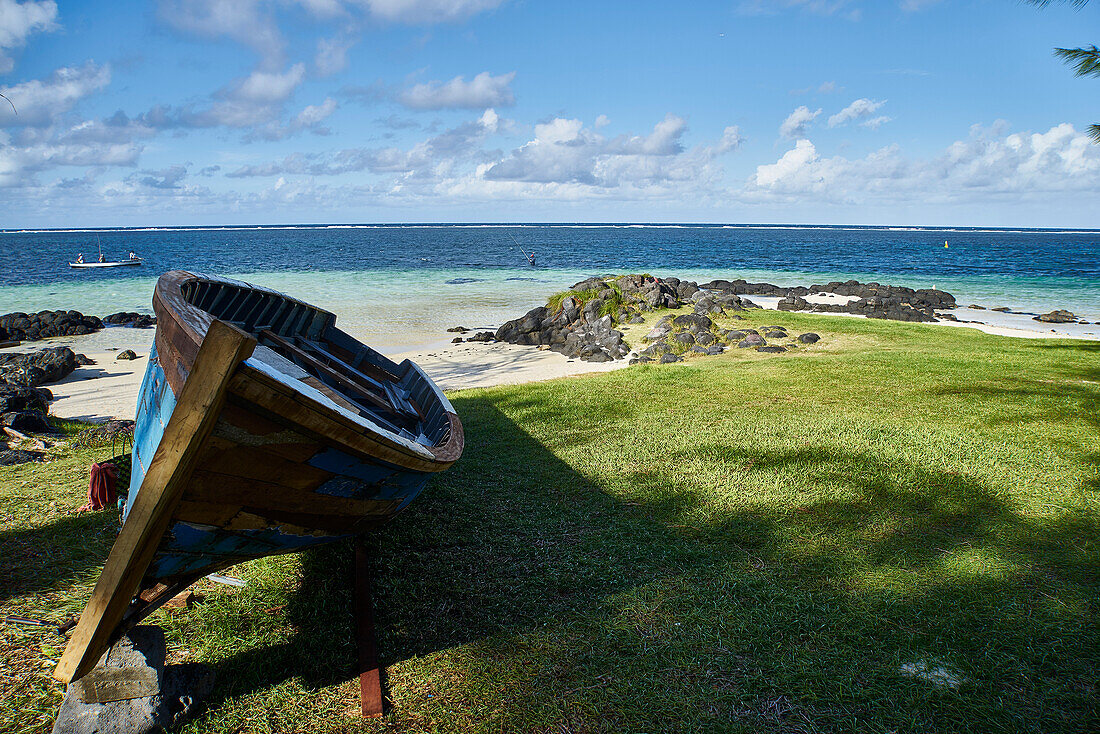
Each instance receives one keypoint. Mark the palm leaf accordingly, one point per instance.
(1085, 61)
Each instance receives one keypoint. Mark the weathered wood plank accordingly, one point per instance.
(258, 496)
(249, 463)
(196, 412)
(370, 672)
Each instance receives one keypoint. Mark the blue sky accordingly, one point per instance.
(179, 112)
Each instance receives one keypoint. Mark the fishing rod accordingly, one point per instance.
(531, 257)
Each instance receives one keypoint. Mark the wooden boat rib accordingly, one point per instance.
(261, 429)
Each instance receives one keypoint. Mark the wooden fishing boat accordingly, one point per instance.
(111, 264)
(261, 429)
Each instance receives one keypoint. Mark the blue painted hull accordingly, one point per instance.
(192, 549)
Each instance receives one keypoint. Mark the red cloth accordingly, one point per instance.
(101, 486)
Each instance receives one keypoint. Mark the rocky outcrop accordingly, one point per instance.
(18, 398)
(37, 368)
(581, 334)
(131, 319)
(482, 336)
(1059, 316)
(35, 326)
(27, 421)
(922, 298)
(872, 300)
(582, 323)
(740, 287)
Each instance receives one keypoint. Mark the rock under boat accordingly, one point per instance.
(261, 429)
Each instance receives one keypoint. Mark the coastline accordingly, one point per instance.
(108, 389)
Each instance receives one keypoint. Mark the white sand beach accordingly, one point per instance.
(109, 388)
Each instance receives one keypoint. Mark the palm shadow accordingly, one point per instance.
(457, 566)
(494, 549)
(36, 559)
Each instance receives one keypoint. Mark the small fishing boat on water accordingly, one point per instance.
(131, 261)
(261, 429)
(110, 264)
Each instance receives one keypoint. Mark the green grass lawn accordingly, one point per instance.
(750, 542)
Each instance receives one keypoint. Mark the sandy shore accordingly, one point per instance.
(109, 388)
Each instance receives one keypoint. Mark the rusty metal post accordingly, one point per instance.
(370, 679)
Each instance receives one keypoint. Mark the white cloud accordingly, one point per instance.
(19, 20)
(428, 11)
(490, 120)
(484, 90)
(266, 87)
(857, 110)
(40, 102)
(165, 178)
(876, 122)
(795, 124)
(314, 115)
(794, 160)
(731, 140)
(565, 153)
(990, 165)
(332, 55)
(245, 21)
(601, 121)
(564, 160)
(424, 161)
(18, 164)
(255, 103)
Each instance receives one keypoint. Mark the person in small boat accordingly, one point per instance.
(133, 255)
(102, 258)
(80, 257)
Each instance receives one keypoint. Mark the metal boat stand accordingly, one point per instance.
(370, 673)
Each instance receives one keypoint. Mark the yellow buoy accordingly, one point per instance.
(945, 244)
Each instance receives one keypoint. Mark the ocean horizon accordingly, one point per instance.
(401, 285)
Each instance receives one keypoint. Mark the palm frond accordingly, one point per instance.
(1044, 3)
(1094, 133)
(1085, 61)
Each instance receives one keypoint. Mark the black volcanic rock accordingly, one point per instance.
(17, 398)
(1059, 316)
(37, 368)
(35, 326)
(131, 319)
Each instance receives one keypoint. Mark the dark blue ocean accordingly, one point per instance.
(390, 273)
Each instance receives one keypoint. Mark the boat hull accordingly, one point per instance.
(283, 470)
(122, 264)
(262, 429)
(262, 486)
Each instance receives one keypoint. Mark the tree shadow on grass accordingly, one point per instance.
(528, 583)
(36, 559)
(493, 544)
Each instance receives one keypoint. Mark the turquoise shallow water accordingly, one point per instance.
(403, 309)
(403, 286)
